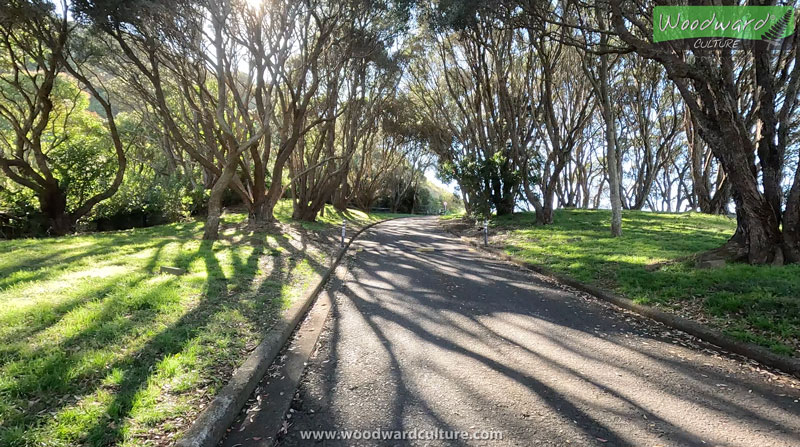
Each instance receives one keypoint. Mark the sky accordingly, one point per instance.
(430, 174)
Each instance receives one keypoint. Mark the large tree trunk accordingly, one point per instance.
(467, 204)
(502, 195)
(613, 166)
(53, 204)
(266, 212)
(613, 180)
(505, 207)
(709, 85)
(544, 211)
(307, 213)
(758, 236)
(791, 223)
(544, 216)
(308, 210)
(340, 196)
(700, 162)
(211, 231)
(533, 199)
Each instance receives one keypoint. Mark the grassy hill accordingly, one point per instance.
(760, 304)
(98, 348)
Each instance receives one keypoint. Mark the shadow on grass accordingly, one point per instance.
(38, 319)
(169, 341)
(47, 374)
(759, 304)
(29, 264)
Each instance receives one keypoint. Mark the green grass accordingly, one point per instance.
(452, 216)
(332, 217)
(98, 348)
(760, 304)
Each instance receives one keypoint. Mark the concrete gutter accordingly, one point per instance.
(212, 423)
(760, 354)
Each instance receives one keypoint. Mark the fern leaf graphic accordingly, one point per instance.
(776, 31)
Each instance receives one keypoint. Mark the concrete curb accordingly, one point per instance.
(212, 423)
(762, 355)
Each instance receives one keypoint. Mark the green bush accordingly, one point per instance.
(195, 202)
(19, 214)
(141, 202)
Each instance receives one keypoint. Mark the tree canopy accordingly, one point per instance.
(162, 109)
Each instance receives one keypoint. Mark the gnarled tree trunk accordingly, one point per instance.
(791, 222)
(758, 236)
(53, 204)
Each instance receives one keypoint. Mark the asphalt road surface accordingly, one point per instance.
(430, 337)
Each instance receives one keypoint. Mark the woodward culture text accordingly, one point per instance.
(396, 435)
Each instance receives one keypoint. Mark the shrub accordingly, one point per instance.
(20, 215)
(141, 202)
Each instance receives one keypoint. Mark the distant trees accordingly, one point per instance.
(358, 92)
(651, 119)
(510, 114)
(468, 87)
(221, 76)
(392, 153)
(247, 102)
(565, 110)
(710, 186)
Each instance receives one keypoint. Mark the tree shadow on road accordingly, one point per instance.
(603, 376)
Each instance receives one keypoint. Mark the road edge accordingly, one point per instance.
(211, 424)
(752, 351)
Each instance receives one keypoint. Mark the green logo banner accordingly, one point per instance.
(722, 26)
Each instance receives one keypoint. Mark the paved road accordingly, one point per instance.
(449, 339)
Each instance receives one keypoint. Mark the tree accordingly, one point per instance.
(394, 156)
(47, 132)
(190, 60)
(474, 84)
(707, 81)
(651, 116)
(358, 90)
(601, 82)
(198, 98)
(711, 188)
(565, 110)
(742, 104)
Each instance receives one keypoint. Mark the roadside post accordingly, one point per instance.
(485, 232)
(344, 230)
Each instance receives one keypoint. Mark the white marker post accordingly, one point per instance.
(344, 230)
(485, 232)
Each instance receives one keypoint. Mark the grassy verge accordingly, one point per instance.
(332, 218)
(759, 304)
(98, 348)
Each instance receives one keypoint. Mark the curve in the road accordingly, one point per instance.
(426, 334)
